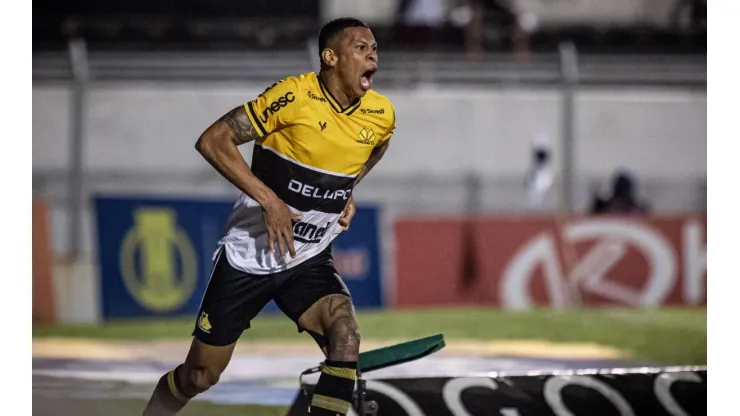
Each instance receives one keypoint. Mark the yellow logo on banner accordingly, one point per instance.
(152, 277)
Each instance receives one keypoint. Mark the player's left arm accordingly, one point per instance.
(373, 160)
(379, 150)
(375, 156)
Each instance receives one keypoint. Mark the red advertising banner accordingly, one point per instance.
(432, 259)
(43, 289)
(556, 262)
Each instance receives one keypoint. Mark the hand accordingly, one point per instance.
(347, 214)
(279, 223)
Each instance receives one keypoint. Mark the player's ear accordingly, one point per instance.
(329, 58)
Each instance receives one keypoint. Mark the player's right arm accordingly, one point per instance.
(219, 146)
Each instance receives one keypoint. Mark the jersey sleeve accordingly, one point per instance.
(392, 127)
(275, 108)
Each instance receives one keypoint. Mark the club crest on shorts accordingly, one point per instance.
(203, 323)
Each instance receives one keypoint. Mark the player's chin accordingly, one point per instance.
(361, 90)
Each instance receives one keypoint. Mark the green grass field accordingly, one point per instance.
(667, 337)
(121, 407)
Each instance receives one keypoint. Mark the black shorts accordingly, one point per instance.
(233, 298)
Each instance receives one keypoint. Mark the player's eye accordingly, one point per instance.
(363, 47)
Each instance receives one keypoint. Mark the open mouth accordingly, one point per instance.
(366, 81)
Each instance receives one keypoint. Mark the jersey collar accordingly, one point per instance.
(334, 103)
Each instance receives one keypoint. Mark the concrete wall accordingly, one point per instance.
(139, 138)
(146, 132)
(151, 128)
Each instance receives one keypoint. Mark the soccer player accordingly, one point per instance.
(316, 136)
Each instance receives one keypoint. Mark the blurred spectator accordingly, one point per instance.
(691, 15)
(499, 17)
(623, 199)
(420, 21)
(540, 176)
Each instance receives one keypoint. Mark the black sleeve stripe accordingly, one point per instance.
(256, 119)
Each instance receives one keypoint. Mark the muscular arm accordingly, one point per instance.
(374, 158)
(219, 146)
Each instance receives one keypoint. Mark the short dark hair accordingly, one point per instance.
(335, 27)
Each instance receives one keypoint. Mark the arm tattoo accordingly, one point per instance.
(374, 158)
(240, 125)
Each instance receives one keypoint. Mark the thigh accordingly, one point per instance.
(231, 300)
(332, 315)
(316, 286)
(332, 323)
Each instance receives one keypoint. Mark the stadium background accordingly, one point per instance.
(459, 225)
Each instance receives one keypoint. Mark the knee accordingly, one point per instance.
(344, 341)
(196, 380)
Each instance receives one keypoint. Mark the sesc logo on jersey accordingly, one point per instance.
(277, 105)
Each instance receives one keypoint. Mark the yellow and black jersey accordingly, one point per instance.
(309, 153)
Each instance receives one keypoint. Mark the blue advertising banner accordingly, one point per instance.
(155, 255)
(357, 258)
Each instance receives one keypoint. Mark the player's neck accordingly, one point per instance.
(333, 84)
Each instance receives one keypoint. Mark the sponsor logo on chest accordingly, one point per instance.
(317, 192)
(277, 105)
(306, 232)
(372, 111)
